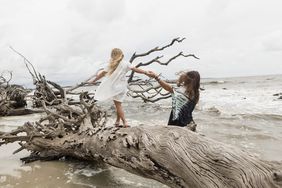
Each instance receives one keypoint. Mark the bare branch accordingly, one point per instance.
(157, 59)
(34, 74)
(156, 49)
(57, 86)
(148, 91)
(167, 62)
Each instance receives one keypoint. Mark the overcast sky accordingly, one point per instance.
(68, 39)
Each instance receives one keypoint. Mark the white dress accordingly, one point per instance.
(114, 86)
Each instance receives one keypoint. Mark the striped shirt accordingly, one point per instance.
(182, 108)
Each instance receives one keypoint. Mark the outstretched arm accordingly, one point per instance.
(98, 77)
(162, 83)
(151, 74)
(140, 71)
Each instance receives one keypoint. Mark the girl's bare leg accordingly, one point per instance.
(118, 119)
(120, 113)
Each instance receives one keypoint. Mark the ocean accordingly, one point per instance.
(245, 112)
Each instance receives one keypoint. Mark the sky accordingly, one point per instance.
(68, 40)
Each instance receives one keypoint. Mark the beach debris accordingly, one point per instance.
(12, 96)
(47, 91)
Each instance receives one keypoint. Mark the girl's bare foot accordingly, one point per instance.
(116, 124)
(126, 126)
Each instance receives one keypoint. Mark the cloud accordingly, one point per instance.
(68, 39)
(99, 11)
(217, 7)
(273, 41)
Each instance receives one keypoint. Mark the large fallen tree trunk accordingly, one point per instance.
(174, 156)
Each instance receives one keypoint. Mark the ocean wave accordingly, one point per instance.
(231, 114)
(213, 110)
(251, 136)
(272, 117)
(215, 82)
(84, 184)
(89, 172)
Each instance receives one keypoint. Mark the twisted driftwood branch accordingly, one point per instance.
(48, 91)
(156, 49)
(150, 92)
(157, 59)
(27, 63)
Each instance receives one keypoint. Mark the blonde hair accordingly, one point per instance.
(116, 57)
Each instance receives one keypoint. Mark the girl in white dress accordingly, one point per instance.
(114, 86)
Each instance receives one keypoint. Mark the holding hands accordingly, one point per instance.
(162, 83)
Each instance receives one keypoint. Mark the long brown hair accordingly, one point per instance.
(116, 57)
(191, 82)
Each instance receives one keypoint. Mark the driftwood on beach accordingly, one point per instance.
(172, 155)
(147, 90)
(47, 91)
(12, 97)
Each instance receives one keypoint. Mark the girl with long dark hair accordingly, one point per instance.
(184, 97)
